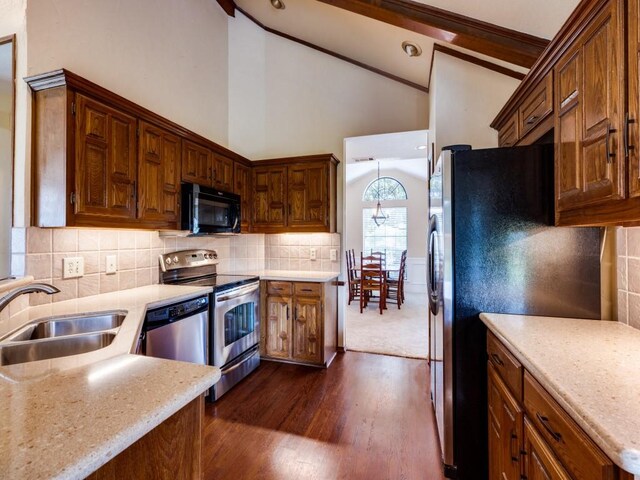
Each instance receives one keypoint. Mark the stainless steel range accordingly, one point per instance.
(234, 330)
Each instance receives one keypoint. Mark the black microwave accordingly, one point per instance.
(209, 211)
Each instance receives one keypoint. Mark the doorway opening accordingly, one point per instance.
(385, 219)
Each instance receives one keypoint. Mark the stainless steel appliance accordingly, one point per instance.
(178, 331)
(234, 320)
(209, 211)
(493, 248)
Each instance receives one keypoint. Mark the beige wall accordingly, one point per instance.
(465, 98)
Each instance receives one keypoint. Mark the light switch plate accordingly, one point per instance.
(313, 254)
(72, 267)
(333, 254)
(111, 264)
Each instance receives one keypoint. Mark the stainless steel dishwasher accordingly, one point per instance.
(178, 332)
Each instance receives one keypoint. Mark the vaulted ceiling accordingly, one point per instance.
(506, 33)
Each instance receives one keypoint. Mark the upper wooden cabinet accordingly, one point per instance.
(295, 194)
(596, 108)
(100, 160)
(159, 172)
(243, 186)
(105, 161)
(196, 164)
(222, 173)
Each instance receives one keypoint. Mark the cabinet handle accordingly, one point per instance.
(307, 290)
(133, 189)
(608, 144)
(287, 312)
(497, 360)
(531, 120)
(545, 423)
(514, 456)
(627, 121)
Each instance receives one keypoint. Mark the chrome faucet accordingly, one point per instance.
(31, 288)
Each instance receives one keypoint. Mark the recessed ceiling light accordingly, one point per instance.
(421, 147)
(411, 49)
(279, 4)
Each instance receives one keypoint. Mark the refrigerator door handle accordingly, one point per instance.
(432, 281)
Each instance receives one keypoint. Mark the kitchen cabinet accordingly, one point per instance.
(196, 164)
(632, 118)
(100, 160)
(269, 199)
(243, 186)
(105, 161)
(159, 173)
(506, 420)
(172, 450)
(222, 173)
(297, 194)
(534, 436)
(301, 322)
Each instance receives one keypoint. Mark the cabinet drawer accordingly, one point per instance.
(539, 460)
(506, 365)
(308, 289)
(279, 288)
(508, 134)
(537, 106)
(577, 452)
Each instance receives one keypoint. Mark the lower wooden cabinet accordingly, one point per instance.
(535, 438)
(300, 322)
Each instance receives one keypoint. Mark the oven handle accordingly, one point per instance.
(242, 362)
(238, 293)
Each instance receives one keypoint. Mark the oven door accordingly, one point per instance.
(209, 211)
(236, 322)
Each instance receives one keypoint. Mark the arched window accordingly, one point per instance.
(387, 187)
(391, 236)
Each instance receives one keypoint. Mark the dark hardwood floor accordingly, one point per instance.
(366, 417)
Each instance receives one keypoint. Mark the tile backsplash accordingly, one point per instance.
(40, 252)
(628, 275)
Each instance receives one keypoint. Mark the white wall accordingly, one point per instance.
(465, 98)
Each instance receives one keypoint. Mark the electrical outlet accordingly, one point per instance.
(72, 267)
(111, 262)
(313, 254)
(333, 255)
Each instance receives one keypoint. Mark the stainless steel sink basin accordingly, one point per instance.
(30, 351)
(68, 325)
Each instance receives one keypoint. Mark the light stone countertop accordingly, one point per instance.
(66, 417)
(590, 367)
(293, 275)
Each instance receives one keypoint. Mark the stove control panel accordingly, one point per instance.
(188, 258)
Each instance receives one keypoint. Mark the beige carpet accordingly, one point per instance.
(404, 333)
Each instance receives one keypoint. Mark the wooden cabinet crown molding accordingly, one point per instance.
(322, 157)
(64, 77)
(572, 28)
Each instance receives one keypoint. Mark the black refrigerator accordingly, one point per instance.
(492, 247)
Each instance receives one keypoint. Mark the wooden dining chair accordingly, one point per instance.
(353, 278)
(395, 285)
(372, 279)
(382, 256)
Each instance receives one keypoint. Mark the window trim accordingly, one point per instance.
(382, 199)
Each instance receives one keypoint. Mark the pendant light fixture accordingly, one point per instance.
(379, 217)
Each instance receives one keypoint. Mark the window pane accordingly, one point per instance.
(390, 237)
(385, 188)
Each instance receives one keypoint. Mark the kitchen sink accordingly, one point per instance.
(31, 351)
(68, 325)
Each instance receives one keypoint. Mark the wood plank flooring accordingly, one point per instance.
(366, 417)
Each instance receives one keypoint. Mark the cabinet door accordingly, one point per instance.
(159, 175)
(269, 198)
(222, 173)
(307, 330)
(308, 196)
(105, 161)
(196, 164)
(590, 159)
(633, 119)
(278, 328)
(505, 430)
(242, 187)
(540, 463)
